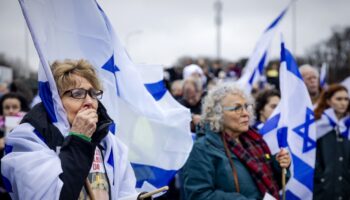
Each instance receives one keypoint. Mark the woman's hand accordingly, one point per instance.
(85, 122)
(283, 158)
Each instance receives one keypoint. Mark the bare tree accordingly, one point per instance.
(335, 51)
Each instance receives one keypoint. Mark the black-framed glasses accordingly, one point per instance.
(239, 108)
(80, 93)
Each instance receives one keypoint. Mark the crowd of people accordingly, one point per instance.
(219, 166)
(229, 159)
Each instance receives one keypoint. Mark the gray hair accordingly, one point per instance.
(212, 109)
(306, 67)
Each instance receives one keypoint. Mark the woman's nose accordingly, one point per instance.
(12, 111)
(88, 101)
(245, 111)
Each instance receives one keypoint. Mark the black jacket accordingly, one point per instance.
(76, 154)
(332, 168)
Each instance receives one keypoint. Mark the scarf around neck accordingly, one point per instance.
(254, 153)
(329, 122)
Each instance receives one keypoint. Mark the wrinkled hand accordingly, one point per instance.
(85, 122)
(283, 158)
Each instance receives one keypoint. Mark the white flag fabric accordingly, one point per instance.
(254, 69)
(292, 126)
(146, 118)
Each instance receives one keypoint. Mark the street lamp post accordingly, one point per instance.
(218, 21)
(294, 28)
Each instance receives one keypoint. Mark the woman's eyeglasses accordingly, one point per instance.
(239, 108)
(80, 93)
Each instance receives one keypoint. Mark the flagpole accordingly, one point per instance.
(26, 49)
(284, 172)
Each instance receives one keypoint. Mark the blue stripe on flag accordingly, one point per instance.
(110, 161)
(270, 124)
(37, 133)
(7, 184)
(347, 131)
(274, 23)
(322, 82)
(291, 196)
(156, 176)
(157, 90)
(262, 63)
(8, 149)
(330, 120)
(252, 78)
(46, 97)
(303, 172)
(287, 57)
(112, 128)
(282, 137)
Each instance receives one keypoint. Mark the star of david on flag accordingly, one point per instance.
(292, 126)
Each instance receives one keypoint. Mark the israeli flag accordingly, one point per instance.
(254, 69)
(147, 119)
(292, 126)
(323, 75)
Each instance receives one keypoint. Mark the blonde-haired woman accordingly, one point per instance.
(88, 162)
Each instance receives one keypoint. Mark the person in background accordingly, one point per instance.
(22, 87)
(192, 98)
(332, 167)
(11, 105)
(14, 105)
(229, 160)
(312, 81)
(86, 161)
(176, 89)
(272, 75)
(3, 193)
(194, 71)
(265, 103)
(3, 89)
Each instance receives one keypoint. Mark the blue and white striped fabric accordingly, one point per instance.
(147, 119)
(254, 69)
(329, 122)
(292, 126)
(323, 75)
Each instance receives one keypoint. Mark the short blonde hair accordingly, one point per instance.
(63, 71)
(212, 110)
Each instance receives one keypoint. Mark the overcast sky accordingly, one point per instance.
(161, 31)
